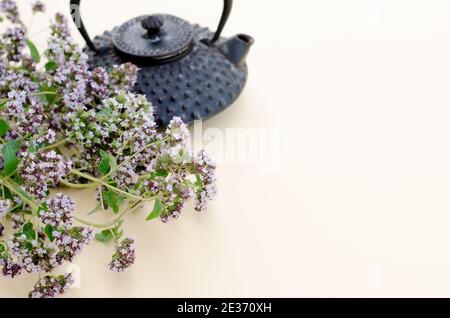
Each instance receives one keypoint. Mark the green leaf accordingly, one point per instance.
(34, 51)
(33, 148)
(104, 113)
(159, 173)
(113, 200)
(105, 163)
(10, 160)
(107, 235)
(42, 208)
(117, 231)
(51, 66)
(48, 94)
(118, 234)
(48, 230)
(29, 231)
(29, 246)
(158, 210)
(104, 236)
(4, 128)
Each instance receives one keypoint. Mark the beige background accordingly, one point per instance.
(359, 93)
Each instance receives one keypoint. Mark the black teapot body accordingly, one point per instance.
(185, 70)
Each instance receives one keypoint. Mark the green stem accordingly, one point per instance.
(13, 188)
(59, 143)
(78, 185)
(102, 204)
(130, 208)
(98, 181)
(44, 93)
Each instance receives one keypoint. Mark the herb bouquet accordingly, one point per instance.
(64, 125)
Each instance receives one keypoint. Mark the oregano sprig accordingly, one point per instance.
(65, 125)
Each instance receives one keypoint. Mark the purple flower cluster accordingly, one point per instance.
(9, 7)
(123, 77)
(124, 257)
(31, 254)
(9, 268)
(38, 6)
(14, 42)
(59, 212)
(69, 77)
(81, 89)
(41, 248)
(51, 286)
(99, 82)
(31, 121)
(125, 122)
(41, 169)
(44, 137)
(126, 177)
(179, 133)
(207, 177)
(60, 27)
(20, 90)
(71, 242)
(163, 166)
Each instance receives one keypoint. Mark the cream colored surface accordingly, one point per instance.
(359, 91)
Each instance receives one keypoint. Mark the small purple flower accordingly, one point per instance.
(9, 7)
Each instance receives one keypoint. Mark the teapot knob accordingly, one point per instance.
(153, 25)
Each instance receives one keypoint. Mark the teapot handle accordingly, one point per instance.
(75, 12)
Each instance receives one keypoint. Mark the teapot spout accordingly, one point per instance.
(237, 48)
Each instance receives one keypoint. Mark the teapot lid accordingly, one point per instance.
(156, 38)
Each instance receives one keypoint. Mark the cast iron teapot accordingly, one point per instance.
(185, 70)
